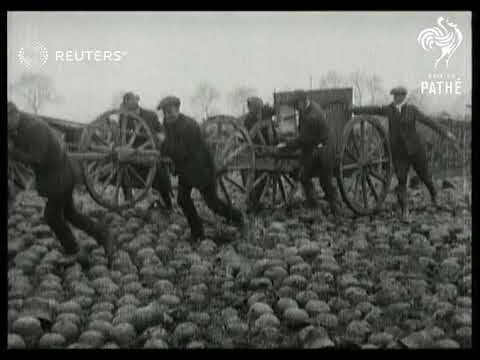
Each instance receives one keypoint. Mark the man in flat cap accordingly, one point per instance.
(33, 143)
(258, 112)
(318, 152)
(406, 145)
(194, 165)
(161, 182)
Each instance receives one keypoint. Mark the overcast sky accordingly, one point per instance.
(170, 53)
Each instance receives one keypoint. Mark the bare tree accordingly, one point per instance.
(204, 96)
(359, 81)
(238, 98)
(37, 90)
(375, 88)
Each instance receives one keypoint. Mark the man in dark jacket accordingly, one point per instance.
(194, 165)
(161, 182)
(316, 143)
(257, 112)
(406, 145)
(34, 144)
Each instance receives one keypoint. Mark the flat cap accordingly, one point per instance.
(167, 101)
(129, 95)
(398, 90)
(255, 101)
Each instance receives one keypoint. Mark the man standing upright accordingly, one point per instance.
(316, 142)
(161, 182)
(194, 165)
(407, 147)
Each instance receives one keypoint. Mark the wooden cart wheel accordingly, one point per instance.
(218, 126)
(234, 158)
(365, 165)
(274, 184)
(119, 162)
(216, 129)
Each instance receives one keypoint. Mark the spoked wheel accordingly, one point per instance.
(365, 165)
(218, 127)
(274, 184)
(119, 159)
(234, 163)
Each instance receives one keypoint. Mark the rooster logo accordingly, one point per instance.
(447, 37)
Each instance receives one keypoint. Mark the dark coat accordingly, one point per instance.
(402, 131)
(36, 145)
(185, 145)
(314, 130)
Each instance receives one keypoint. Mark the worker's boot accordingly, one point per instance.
(336, 211)
(311, 201)
(81, 256)
(434, 201)
(108, 244)
(68, 260)
(197, 232)
(403, 201)
(240, 221)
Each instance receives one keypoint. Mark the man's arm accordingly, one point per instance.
(425, 120)
(193, 139)
(369, 110)
(154, 122)
(157, 128)
(166, 146)
(190, 139)
(303, 140)
(311, 135)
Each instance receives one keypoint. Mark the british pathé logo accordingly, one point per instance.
(442, 84)
(34, 56)
(446, 36)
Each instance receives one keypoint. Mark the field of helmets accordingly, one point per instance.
(298, 280)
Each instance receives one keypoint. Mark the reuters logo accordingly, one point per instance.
(34, 56)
